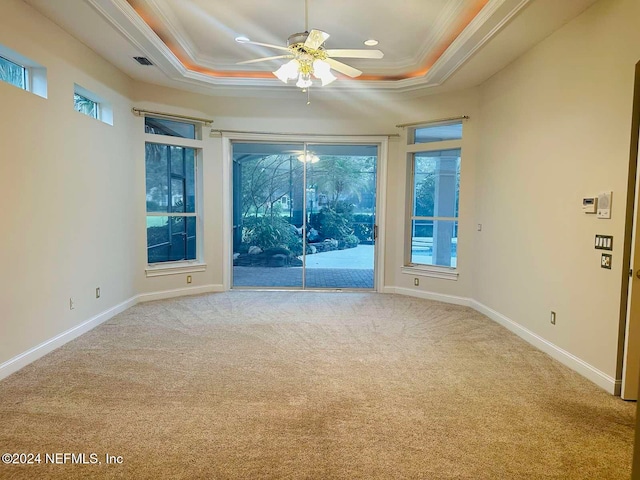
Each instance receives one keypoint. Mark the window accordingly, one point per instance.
(434, 153)
(22, 72)
(172, 128)
(171, 202)
(13, 73)
(92, 105)
(84, 105)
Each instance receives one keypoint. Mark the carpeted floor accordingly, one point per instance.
(303, 385)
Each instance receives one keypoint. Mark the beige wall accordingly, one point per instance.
(67, 186)
(327, 115)
(555, 127)
(546, 131)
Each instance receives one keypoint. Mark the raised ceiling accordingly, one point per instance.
(192, 42)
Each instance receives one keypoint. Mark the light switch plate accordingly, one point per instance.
(603, 242)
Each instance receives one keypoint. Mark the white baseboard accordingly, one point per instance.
(180, 292)
(608, 383)
(598, 377)
(439, 297)
(16, 363)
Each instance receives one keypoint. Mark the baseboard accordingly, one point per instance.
(608, 383)
(16, 363)
(598, 377)
(439, 297)
(180, 292)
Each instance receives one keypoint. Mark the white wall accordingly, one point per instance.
(555, 127)
(67, 186)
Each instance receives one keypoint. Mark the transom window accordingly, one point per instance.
(84, 105)
(13, 73)
(22, 72)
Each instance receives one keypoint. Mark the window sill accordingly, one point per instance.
(431, 271)
(176, 268)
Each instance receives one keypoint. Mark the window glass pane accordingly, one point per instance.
(190, 170)
(164, 188)
(191, 238)
(13, 73)
(436, 133)
(157, 177)
(177, 195)
(436, 183)
(434, 242)
(163, 126)
(177, 160)
(158, 245)
(84, 105)
(171, 239)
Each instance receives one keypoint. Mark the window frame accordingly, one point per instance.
(179, 266)
(411, 150)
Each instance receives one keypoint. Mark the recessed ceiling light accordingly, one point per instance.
(242, 39)
(371, 43)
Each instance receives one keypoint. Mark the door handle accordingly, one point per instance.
(638, 273)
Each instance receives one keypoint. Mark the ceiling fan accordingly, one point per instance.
(310, 58)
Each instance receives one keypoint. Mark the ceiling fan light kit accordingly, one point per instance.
(309, 58)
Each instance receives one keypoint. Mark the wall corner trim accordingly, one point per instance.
(438, 297)
(180, 292)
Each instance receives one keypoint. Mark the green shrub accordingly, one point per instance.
(334, 221)
(351, 241)
(363, 226)
(269, 232)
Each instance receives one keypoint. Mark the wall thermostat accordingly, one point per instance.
(604, 205)
(589, 204)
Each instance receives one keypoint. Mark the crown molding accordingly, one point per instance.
(490, 20)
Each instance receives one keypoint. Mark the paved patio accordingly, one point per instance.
(350, 268)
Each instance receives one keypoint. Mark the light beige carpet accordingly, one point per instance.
(309, 385)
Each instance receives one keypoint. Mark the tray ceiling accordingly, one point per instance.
(192, 42)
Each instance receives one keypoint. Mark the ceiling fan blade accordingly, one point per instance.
(264, 59)
(315, 39)
(347, 53)
(277, 47)
(343, 68)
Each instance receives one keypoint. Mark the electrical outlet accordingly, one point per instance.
(416, 282)
(97, 292)
(553, 318)
(72, 304)
(188, 278)
(605, 261)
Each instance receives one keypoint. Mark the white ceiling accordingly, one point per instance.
(427, 44)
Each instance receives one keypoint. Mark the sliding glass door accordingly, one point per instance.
(304, 215)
